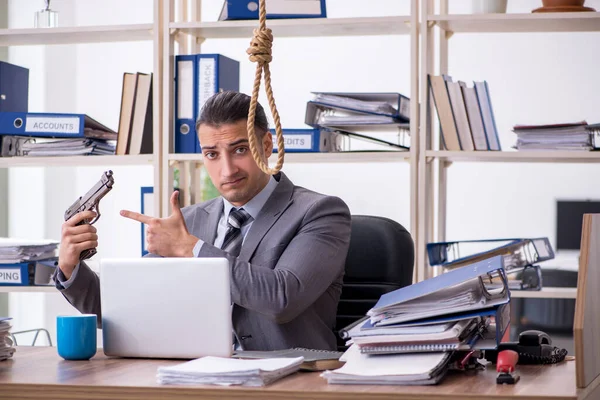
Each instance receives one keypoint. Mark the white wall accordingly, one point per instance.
(533, 79)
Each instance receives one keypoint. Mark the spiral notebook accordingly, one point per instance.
(314, 359)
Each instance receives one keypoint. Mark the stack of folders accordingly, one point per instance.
(49, 134)
(425, 325)
(520, 257)
(465, 113)
(228, 371)
(374, 119)
(566, 136)
(6, 344)
(27, 262)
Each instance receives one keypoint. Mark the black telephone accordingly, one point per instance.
(533, 347)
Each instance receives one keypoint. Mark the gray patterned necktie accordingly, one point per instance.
(233, 237)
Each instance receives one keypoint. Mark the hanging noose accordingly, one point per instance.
(260, 53)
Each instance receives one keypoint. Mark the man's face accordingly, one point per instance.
(229, 162)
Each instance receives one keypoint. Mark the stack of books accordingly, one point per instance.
(379, 119)
(465, 113)
(6, 344)
(228, 371)
(566, 136)
(136, 116)
(428, 324)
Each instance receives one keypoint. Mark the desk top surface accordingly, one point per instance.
(38, 372)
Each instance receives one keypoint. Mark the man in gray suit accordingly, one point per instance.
(286, 245)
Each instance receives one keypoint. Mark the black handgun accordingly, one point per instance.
(91, 202)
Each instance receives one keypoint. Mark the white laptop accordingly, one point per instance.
(166, 307)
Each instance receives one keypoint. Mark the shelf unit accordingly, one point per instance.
(189, 33)
(428, 165)
(28, 289)
(95, 34)
(433, 162)
(77, 35)
(98, 34)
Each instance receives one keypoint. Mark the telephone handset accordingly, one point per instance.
(533, 347)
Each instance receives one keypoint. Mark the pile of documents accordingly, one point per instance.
(27, 262)
(373, 118)
(40, 147)
(20, 250)
(567, 136)
(396, 369)
(6, 345)
(229, 371)
(425, 324)
(55, 135)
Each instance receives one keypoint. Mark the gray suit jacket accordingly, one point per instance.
(287, 280)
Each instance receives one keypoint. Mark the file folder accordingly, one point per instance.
(459, 290)
(53, 126)
(478, 330)
(394, 105)
(197, 78)
(30, 273)
(14, 88)
(308, 141)
(276, 9)
(517, 253)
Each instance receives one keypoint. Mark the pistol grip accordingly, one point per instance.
(87, 254)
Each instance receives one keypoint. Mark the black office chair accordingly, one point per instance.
(380, 259)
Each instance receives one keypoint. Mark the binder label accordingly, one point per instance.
(52, 125)
(295, 142)
(206, 80)
(10, 275)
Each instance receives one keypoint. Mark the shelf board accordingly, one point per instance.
(28, 289)
(533, 22)
(574, 157)
(546, 293)
(341, 157)
(308, 27)
(75, 161)
(76, 34)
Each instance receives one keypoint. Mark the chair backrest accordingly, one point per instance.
(380, 259)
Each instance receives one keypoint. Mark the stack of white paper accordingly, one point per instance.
(19, 250)
(229, 371)
(394, 369)
(6, 349)
(569, 136)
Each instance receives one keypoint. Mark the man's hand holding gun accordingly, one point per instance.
(78, 237)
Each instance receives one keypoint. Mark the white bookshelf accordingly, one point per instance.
(545, 293)
(434, 163)
(310, 27)
(187, 25)
(570, 157)
(533, 22)
(328, 158)
(76, 34)
(28, 289)
(76, 161)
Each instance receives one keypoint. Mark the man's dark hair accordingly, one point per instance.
(230, 107)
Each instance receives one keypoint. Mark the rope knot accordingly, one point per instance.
(260, 46)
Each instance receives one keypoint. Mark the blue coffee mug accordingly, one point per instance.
(76, 336)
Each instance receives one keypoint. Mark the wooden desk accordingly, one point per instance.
(38, 372)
